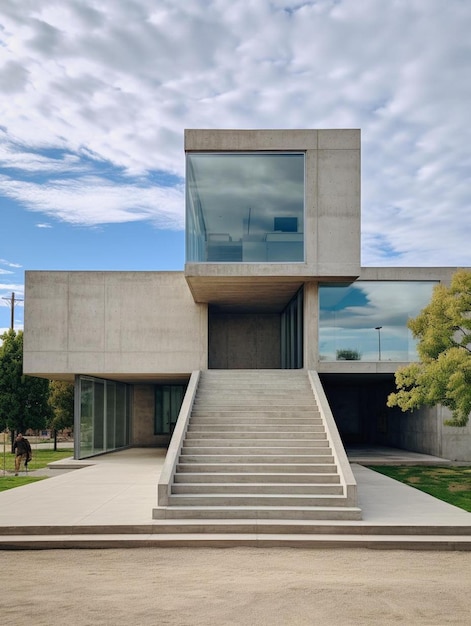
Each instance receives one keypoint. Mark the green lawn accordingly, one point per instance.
(450, 484)
(40, 459)
(10, 482)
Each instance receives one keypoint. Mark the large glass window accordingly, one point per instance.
(367, 320)
(245, 207)
(104, 416)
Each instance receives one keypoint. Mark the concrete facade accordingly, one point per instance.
(332, 216)
(119, 325)
(145, 328)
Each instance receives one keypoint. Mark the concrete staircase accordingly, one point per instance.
(256, 447)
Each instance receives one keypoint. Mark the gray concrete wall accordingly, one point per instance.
(455, 442)
(244, 341)
(120, 325)
(418, 431)
(424, 431)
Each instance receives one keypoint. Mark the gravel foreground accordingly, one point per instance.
(239, 586)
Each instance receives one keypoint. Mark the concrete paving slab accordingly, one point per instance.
(383, 455)
(387, 501)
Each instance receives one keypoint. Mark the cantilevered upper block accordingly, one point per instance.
(273, 204)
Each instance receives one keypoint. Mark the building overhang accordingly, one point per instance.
(266, 288)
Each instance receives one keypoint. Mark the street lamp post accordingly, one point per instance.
(378, 328)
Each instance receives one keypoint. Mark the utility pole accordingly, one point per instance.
(11, 301)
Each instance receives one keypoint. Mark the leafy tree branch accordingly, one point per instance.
(443, 374)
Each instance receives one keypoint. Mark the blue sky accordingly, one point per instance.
(95, 98)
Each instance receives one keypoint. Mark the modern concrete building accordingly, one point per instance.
(272, 283)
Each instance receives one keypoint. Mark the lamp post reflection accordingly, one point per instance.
(378, 328)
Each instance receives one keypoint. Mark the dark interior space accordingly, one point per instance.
(358, 403)
(244, 340)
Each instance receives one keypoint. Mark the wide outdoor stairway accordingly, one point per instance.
(256, 446)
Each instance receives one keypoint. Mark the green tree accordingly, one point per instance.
(443, 373)
(23, 399)
(61, 401)
(348, 355)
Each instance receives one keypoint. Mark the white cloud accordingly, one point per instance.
(9, 263)
(92, 201)
(42, 225)
(17, 157)
(118, 82)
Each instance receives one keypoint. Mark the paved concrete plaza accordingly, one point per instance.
(119, 490)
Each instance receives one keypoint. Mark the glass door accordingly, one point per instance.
(168, 401)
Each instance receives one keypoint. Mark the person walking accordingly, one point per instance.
(22, 449)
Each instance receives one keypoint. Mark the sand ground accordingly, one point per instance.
(240, 586)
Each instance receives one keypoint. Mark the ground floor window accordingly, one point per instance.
(168, 401)
(104, 416)
(367, 320)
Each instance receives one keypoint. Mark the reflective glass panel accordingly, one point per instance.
(99, 417)
(367, 320)
(245, 207)
(121, 416)
(168, 402)
(86, 418)
(104, 416)
(110, 415)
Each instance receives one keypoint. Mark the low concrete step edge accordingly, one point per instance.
(241, 526)
(391, 542)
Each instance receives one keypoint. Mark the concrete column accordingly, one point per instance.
(311, 230)
(311, 325)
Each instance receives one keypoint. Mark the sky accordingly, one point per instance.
(95, 96)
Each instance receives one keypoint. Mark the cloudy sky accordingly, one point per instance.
(95, 95)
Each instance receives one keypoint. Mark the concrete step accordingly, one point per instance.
(271, 435)
(255, 540)
(257, 468)
(248, 458)
(241, 394)
(256, 379)
(249, 372)
(272, 450)
(256, 419)
(276, 386)
(263, 489)
(255, 477)
(257, 500)
(241, 398)
(205, 526)
(316, 440)
(179, 512)
(253, 403)
(249, 414)
(253, 388)
(272, 439)
(250, 427)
